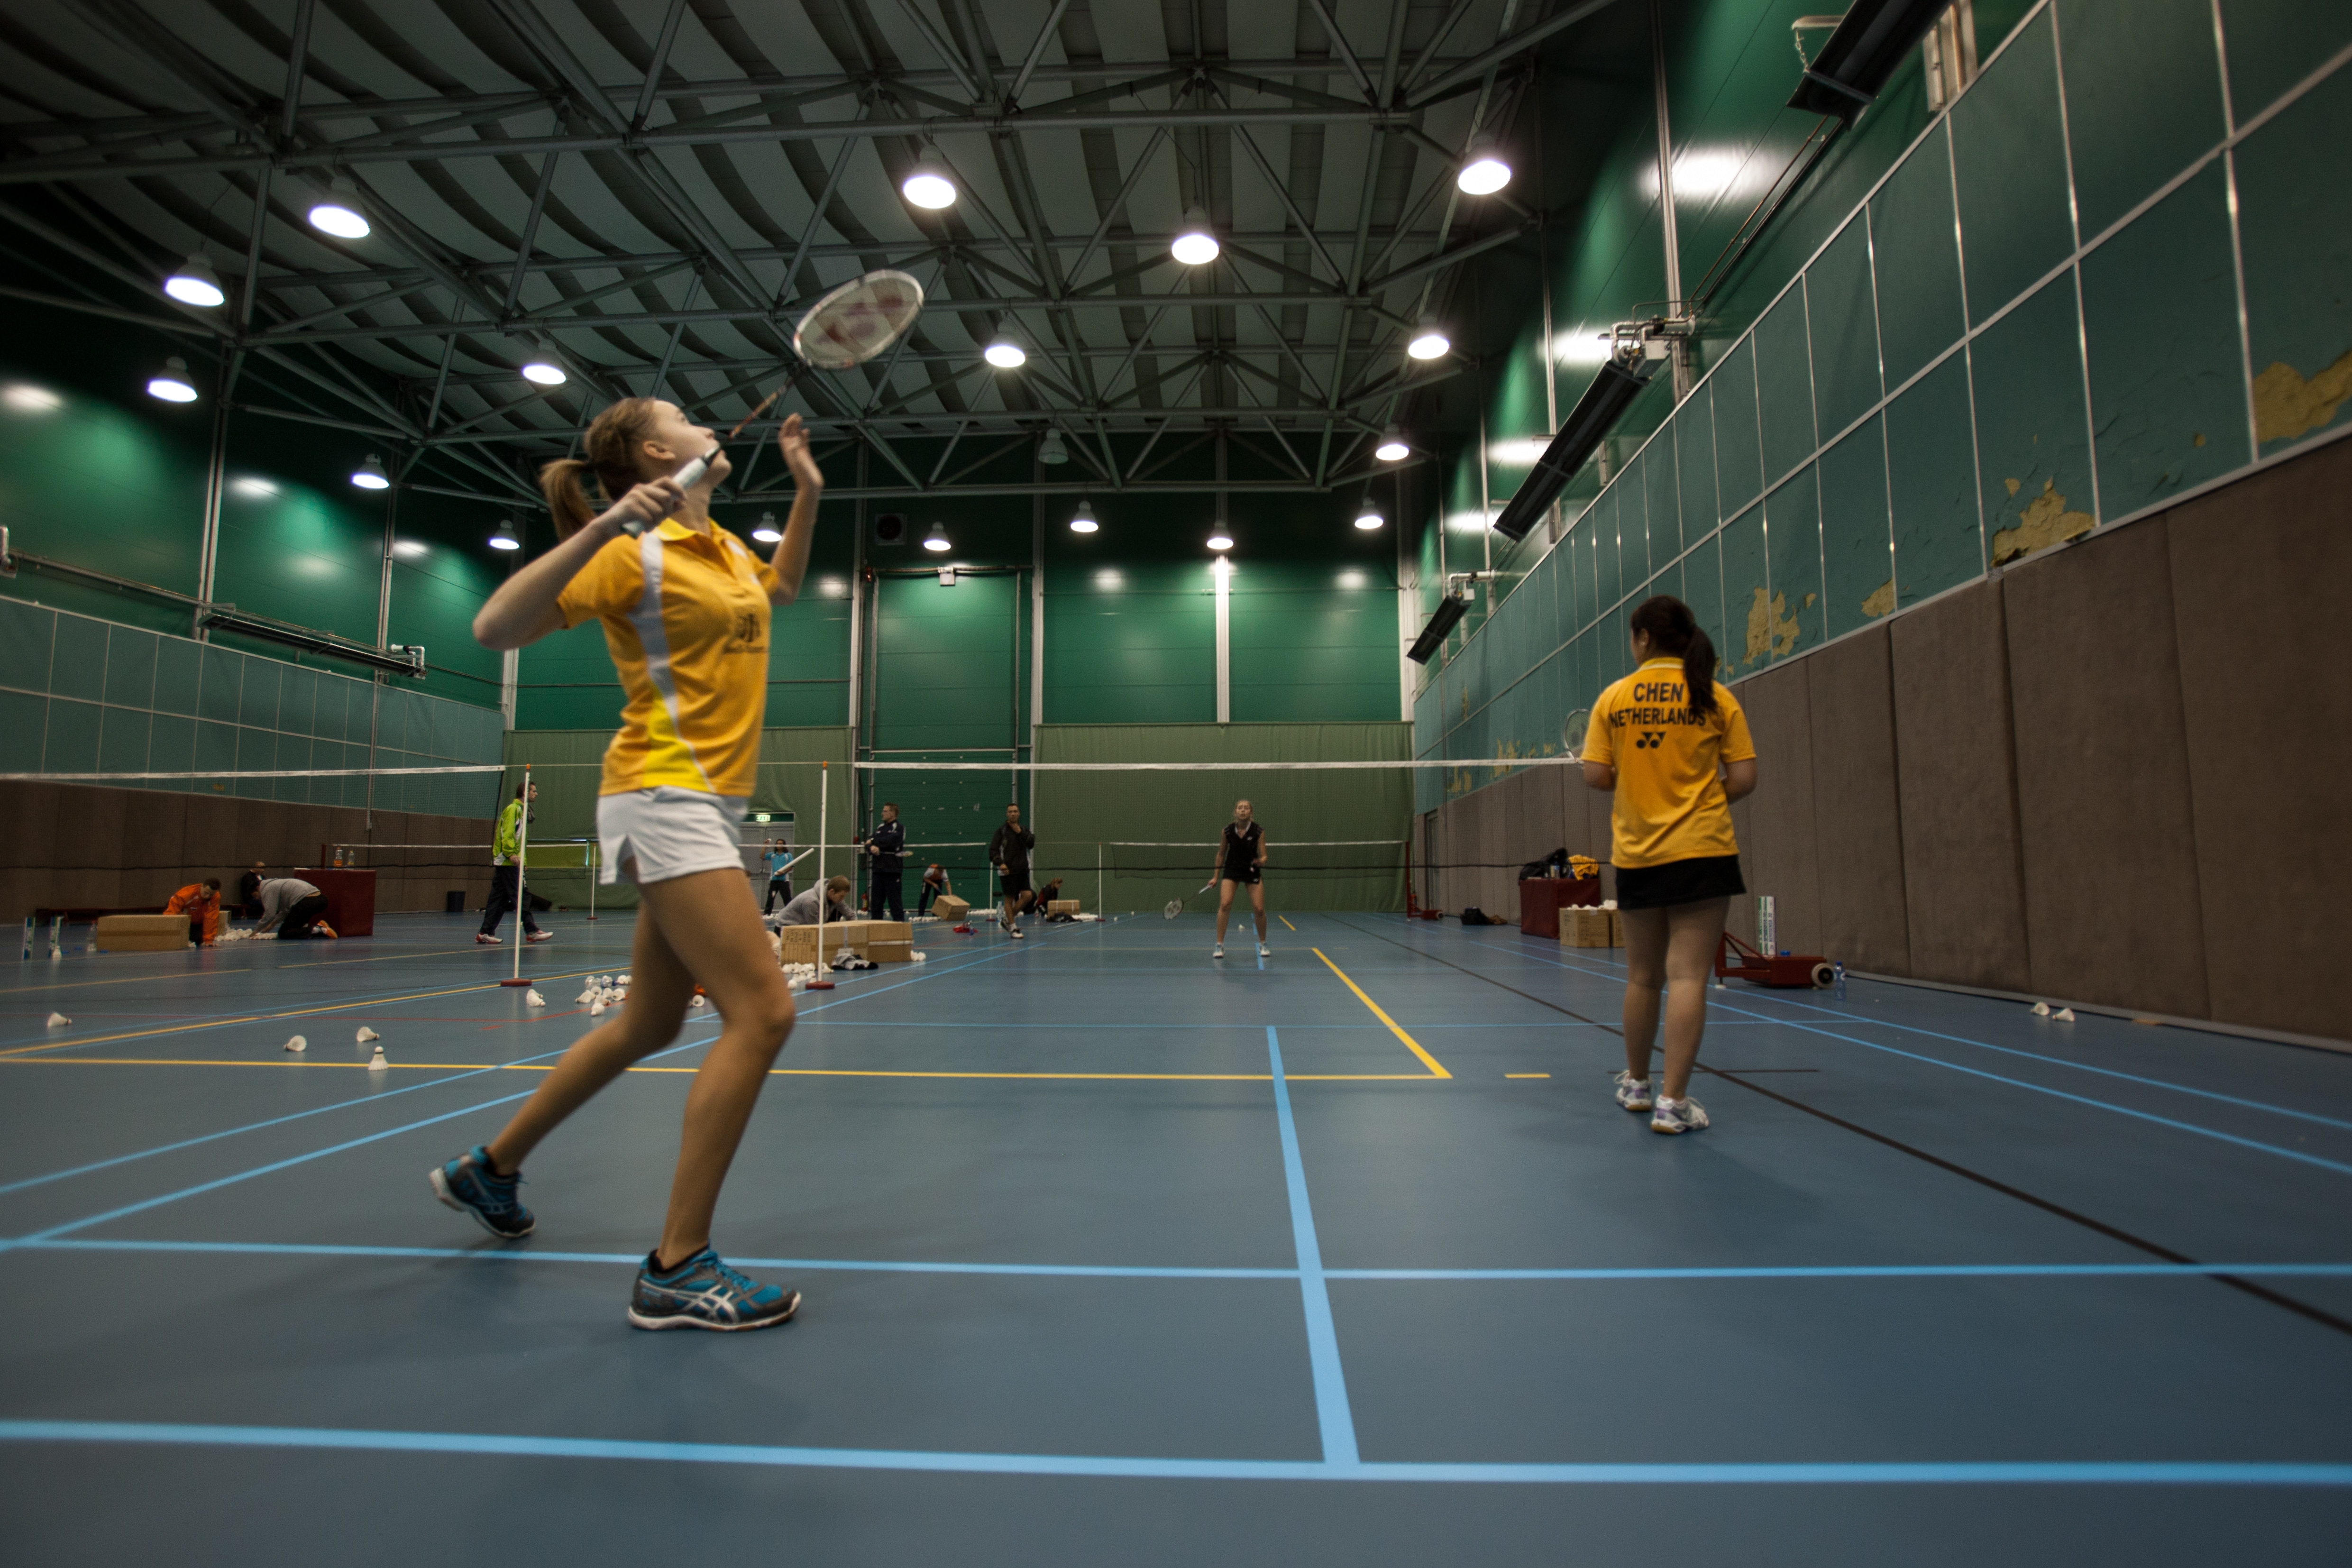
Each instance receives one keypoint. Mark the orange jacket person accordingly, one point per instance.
(201, 902)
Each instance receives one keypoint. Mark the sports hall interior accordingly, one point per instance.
(1977, 372)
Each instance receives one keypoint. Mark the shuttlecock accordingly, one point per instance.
(700, 1002)
(58, 1020)
(623, 980)
(298, 1045)
(918, 958)
(2064, 1015)
(2042, 1009)
(533, 999)
(797, 985)
(365, 1034)
(376, 1062)
(597, 1008)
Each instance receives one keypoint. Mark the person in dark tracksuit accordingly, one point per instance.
(887, 843)
(1008, 851)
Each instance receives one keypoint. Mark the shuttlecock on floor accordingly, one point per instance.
(597, 1008)
(797, 985)
(2064, 1015)
(918, 958)
(376, 1062)
(298, 1045)
(623, 980)
(2042, 1009)
(58, 1020)
(700, 1002)
(365, 1034)
(533, 999)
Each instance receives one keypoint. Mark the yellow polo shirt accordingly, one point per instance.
(1669, 804)
(686, 619)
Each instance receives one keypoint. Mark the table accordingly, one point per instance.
(350, 895)
(1542, 898)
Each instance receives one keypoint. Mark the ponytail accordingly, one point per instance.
(1675, 633)
(612, 442)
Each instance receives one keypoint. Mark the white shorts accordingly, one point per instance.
(669, 832)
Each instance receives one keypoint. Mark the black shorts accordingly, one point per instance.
(1247, 875)
(1679, 882)
(1015, 883)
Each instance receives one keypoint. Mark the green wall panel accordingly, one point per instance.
(2297, 231)
(2010, 150)
(2143, 98)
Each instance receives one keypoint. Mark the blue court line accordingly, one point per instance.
(1996, 1472)
(491, 1254)
(2264, 1105)
(2254, 1143)
(1331, 1413)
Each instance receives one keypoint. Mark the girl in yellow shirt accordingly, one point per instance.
(685, 610)
(1670, 746)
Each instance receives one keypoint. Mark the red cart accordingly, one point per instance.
(1735, 960)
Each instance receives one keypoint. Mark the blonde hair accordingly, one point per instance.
(613, 444)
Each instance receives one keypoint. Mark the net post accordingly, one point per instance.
(522, 894)
(823, 887)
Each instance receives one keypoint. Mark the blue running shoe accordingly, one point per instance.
(704, 1293)
(468, 1184)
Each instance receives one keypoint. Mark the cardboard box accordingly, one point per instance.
(947, 906)
(1588, 928)
(1062, 906)
(1616, 928)
(884, 941)
(141, 933)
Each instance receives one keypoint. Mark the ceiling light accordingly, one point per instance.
(338, 211)
(1221, 541)
(370, 475)
(937, 538)
(1051, 450)
(507, 535)
(27, 398)
(928, 185)
(1484, 172)
(1194, 246)
(1392, 448)
(1368, 517)
(258, 489)
(1005, 355)
(1429, 341)
(172, 383)
(544, 373)
(408, 549)
(1083, 521)
(193, 282)
(767, 532)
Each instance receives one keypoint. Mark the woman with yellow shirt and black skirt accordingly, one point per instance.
(685, 609)
(1670, 746)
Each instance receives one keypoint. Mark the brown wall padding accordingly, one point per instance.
(2268, 709)
(1954, 749)
(2113, 913)
(1785, 858)
(1857, 822)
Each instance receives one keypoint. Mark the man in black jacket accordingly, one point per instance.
(886, 844)
(1008, 851)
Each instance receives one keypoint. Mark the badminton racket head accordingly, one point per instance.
(861, 319)
(1571, 731)
(1174, 907)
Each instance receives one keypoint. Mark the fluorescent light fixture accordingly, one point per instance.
(370, 475)
(1429, 341)
(1484, 172)
(1194, 245)
(1612, 390)
(1872, 39)
(1005, 355)
(767, 532)
(937, 538)
(1368, 517)
(338, 211)
(1083, 520)
(544, 373)
(1442, 620)
(1392, 448)
(254, 489)
(193, 282)
(928, 185)
(1221, 541)
(172, 383)
(26, 398)
(1051, 451)
(507, 535)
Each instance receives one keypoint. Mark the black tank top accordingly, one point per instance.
(1241, 848)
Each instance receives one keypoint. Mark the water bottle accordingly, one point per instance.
(1841, 979)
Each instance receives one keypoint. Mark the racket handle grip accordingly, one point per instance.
(687, 478)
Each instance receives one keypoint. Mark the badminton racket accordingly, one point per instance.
(847, 326)
(1571, 731)
(1176, 906)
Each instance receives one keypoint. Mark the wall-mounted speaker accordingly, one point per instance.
(890, 528)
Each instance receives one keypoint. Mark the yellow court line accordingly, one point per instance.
(1435, 1068)
(1526, 1075)
(773, 1072)
(275, 969)
(1286, 920)
(193, 1024)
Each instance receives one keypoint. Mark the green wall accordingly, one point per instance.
(1977, 335)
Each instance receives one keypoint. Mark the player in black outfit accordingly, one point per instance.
(887, 843)
(1241, 861)
(1008, 851)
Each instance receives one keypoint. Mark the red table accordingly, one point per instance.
(351, 898)
(1542, 898)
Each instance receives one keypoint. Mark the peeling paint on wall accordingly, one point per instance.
(1770, 628)
(2286, 406)
(1881, 601)
(2046, 522)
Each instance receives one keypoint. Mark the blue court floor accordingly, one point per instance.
(1113, 1254)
